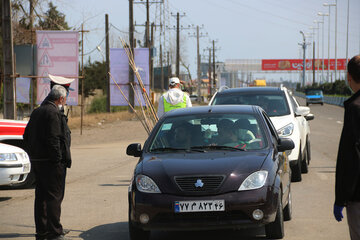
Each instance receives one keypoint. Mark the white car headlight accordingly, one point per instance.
(8, 157)
(146, 184)
(286, 131)
(254, 181)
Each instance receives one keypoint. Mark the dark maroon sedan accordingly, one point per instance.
(211, 167)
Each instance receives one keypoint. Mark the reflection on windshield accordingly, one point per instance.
(209, 132)
(273, 104)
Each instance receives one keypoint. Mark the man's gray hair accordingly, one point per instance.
(57, 91)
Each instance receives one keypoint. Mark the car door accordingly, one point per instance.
(301, 122)
(284, 167)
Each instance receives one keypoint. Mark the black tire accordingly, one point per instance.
(308, 149)
(275, 230)
(296, 169)
(288, 208)
(322, 104)
(307, 104)
(304, 162)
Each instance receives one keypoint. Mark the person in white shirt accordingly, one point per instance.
(173, 99)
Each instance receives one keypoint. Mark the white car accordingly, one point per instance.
(289, 119)
(14, 164)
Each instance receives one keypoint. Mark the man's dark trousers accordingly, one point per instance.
(49, 193)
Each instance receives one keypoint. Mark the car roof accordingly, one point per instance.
(251, 90)
(245, 109)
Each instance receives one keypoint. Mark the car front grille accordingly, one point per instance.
(200, 184)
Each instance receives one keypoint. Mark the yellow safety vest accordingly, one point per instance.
(169, 106)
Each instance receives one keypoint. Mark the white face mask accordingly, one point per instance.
(60, 106)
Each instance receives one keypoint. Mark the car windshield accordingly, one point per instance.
(314, 92)
(273, 104)
(209, 132)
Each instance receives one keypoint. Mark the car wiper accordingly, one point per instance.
(218, 147)
(167, 149)
(175, 149)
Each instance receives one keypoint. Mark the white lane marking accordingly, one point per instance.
(339, 122)
(322, 176)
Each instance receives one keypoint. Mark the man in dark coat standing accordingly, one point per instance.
(347, 185)
(47, 138)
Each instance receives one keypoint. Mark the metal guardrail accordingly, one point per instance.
(339, 101)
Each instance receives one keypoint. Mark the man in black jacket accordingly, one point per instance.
(47, 137)
(347, 185)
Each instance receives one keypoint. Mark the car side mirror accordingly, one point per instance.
(134, 150)
(302, 111)
(309, 117)
(285, 144)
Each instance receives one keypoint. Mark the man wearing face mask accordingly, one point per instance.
(347, 183)
(47, 138)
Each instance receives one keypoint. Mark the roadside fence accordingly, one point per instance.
(339, 101)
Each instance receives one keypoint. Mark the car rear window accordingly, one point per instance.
(274, 104)
(208, 130)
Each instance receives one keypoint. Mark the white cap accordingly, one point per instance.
(61, 80)
(173, 81)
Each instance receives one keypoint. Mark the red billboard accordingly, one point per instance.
(297, 64)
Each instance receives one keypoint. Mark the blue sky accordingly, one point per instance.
(243, 29)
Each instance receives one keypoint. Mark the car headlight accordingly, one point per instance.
(8, 157)
(286, 131)
(254, 181)
(146, 184)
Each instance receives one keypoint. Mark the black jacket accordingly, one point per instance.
(47, 135)
(347, 184)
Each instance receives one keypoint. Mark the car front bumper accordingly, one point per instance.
(13, 173)
(314, 100)
(239, 207)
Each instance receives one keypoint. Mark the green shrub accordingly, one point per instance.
(98, 105)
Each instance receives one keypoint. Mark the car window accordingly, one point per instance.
(274, 104)
(294, 103)
(273, 131)
(241, 131)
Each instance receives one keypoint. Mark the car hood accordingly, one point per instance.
(281, 121)
(233, 166)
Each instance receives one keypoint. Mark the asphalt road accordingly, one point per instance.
(95, 204)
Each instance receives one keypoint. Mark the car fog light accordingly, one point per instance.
(144, 218)
(258, 214)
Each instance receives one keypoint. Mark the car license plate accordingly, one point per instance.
(200, 206)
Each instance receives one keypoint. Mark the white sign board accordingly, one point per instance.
(119, 69)
(57, 54)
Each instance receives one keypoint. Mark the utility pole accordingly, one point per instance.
(9, 82)
(131, 40)
(33, 80)
(214, 69)
(198, 65)
(177, 71)
(210, 81)
(177, 44)
(313, 63)
(162, 69)
(107, 64)
(304, 57)
(149, 42)
(198, 35)
(151, 48)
